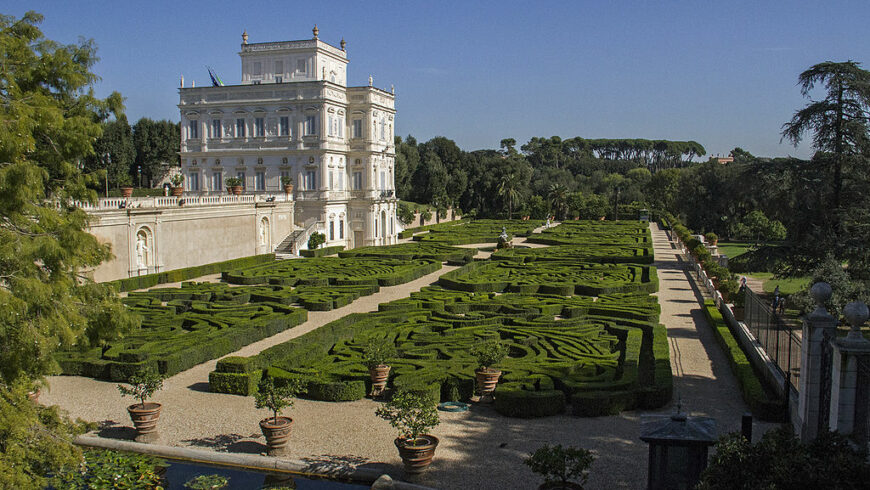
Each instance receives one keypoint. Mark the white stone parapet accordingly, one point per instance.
(115, 203)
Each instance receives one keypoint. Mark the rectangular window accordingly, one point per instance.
(357, 181)
(340, 122)
(300, 65)
(241, 176)
(257, 68)
(193, 181)
(240, 128)
(217, 183)
(260, 181)
(310, 125)
(341, 229)
(279, 68)
(329, 129)
(341, 180)
(332, 230)
(193, 130)
(383, 131)
(357, 129)
(284, 126)
(383, 180)
(310, 180)
(259, 127)
(216, 129)
(330, 180)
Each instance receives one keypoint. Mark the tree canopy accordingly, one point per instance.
(49, 123)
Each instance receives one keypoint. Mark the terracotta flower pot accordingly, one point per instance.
(145, 417)
(177, 191)
(236, 190)
(33, 396)
(379, 375)
(126, 191)
(487, 379)
(277, 434)
(417, 457)
(288, 189)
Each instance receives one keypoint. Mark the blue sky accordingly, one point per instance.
(721, 73)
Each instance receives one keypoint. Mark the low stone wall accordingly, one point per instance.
(147, 239)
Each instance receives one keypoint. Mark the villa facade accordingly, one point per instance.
(293, 115)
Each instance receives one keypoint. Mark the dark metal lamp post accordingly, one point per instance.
(678, 447)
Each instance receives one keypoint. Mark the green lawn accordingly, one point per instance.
(733, 249)
(788, 285)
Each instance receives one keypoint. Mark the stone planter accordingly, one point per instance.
(177, 191)
(145, 417)
(236, 190)
(288, 189)
(417, 457)
(126, 191)
(487, 379)
(277, 434)
(379, 375)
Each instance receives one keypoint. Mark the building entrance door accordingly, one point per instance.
(357, 239)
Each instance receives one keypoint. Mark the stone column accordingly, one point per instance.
(815, 375)
(849, 396)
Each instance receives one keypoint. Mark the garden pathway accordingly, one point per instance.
(479, 448)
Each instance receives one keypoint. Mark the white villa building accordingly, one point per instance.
(294, 115)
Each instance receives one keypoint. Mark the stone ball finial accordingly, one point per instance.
(316, 31)
(856, 314)
(821, 293)
(245, 37)
(343, 44)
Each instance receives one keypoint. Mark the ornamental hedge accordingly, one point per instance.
(559, 347)
(477, 231)
(178, 275)
(763, 405)
(182, 327)
(335, 271)
(415, 250)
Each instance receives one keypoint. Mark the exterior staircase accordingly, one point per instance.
(298, 238)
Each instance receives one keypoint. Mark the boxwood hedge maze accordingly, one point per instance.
(416, 250)
(584, 334)
(182, 327)
(478, 231)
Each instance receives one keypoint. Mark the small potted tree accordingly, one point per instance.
(177, 182)
(376, 355)
(276, 398)
(711, 238)
(125, 182)
(413, 414)
(488, 353)
(559, 465)
(287, 183)
(234, 185)
(144, 414)
(316, 240)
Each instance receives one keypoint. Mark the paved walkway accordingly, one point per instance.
(479, 448)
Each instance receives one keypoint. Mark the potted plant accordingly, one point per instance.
(413, 414)
(234, 185)
(559, 465)
(276, 398)
(125, 182)
(144, 414)
(711, 238)
(287, 182)
(376, 355)
(488, 353)
(176, 181)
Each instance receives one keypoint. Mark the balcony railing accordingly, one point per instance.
(114, 203)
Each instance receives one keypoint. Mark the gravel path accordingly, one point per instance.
(479, 448)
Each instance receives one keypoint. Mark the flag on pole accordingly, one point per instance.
(215, 79)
